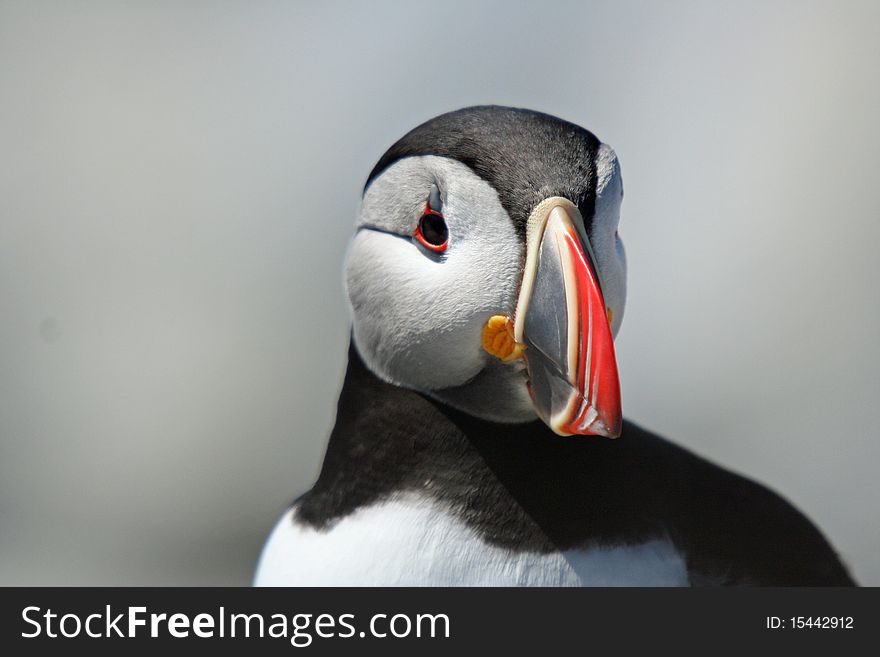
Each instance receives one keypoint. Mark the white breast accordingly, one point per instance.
(409, 541)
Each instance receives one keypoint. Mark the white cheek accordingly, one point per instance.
(417, 319)
(400, 327)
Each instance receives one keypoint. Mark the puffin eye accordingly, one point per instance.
(432, 232)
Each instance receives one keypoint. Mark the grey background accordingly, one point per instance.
(178, 183)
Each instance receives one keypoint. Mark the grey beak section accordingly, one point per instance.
(545, 334)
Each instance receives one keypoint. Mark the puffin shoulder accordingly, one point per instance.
(735, 530)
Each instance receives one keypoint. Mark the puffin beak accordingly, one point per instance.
(562, 320)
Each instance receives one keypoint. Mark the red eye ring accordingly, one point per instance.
(434, 225)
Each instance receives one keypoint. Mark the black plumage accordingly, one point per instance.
(523, 487)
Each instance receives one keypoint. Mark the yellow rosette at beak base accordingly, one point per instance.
(498, 339)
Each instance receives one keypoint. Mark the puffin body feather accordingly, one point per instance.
(413, 492)
(412, 540)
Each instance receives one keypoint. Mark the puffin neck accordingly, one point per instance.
(518, 485)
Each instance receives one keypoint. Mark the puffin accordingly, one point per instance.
(479, 438)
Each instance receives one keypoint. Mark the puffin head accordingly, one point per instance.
(487, 271)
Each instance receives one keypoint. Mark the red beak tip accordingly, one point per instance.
(601, 429)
